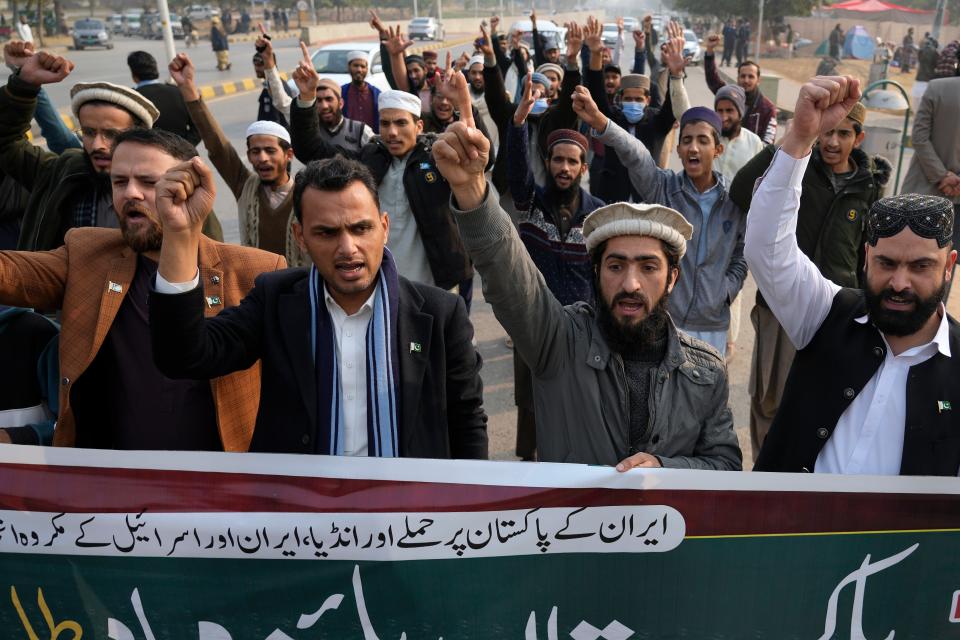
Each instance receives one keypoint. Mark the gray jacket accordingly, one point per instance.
(701, 298)
(580, 388)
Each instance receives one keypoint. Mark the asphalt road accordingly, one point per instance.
(235, 112)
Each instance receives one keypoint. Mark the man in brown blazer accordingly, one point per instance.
(935, 168)
(112, 395)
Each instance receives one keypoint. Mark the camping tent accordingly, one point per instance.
(880, 10)
(858, 44)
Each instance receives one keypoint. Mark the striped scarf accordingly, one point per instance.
(383, 372)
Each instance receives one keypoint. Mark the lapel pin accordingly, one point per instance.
(943, 405)
(114, 287)
(213, 301)
(415, 347)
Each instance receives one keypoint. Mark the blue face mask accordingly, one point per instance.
(633, 111)
(539, 107)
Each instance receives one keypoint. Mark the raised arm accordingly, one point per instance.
(503, 60)
(714, 81)
(797, 293)
(639, 52)
(519, 174)
(512, 284)
(494, 91)
(676, 64)
(222, 154)
(539, 57)
(644, 174)
(396, 44)
(281, 101)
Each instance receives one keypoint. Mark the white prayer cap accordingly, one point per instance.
(396, 99)
(357, 55)
(268, 128)
(477, 59)
(628, 219)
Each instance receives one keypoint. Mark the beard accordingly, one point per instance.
(902, 323)
(148, 237)
(622, 336)
(732, 132)
(563, 197)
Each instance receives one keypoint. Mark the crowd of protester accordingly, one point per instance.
(341, 324)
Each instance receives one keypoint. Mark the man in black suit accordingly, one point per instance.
(173, 112)
(356, 360)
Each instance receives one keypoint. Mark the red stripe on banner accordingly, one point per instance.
(108, 490)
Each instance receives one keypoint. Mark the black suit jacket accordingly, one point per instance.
(441, 394)
(173, 111)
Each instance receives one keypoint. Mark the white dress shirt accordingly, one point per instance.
(868, 438)
(351, 343)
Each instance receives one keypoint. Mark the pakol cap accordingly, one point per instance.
(128, 99)
(629, 219)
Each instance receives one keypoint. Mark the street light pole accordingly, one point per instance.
(416, 11)
(167, 30)
(938, 19)
(865, 98)
(756, 55)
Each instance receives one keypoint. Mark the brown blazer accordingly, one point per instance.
(88, 279)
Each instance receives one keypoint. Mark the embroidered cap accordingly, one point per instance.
(550, 66)
(327, 83)
(635, 81)
(927, 216)
(566, 136)
(629, 219)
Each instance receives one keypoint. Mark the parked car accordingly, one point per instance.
(90, 32)
(630, 23)
(330, 61)
(202, 11)
(609, 33)
(544, 27)
(425, 29)
(116, 23)
(691, 47)
(132, 23)
(176, 26)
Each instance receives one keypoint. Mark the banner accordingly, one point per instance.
(218, 546)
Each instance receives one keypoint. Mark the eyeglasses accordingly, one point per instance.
(90, 133)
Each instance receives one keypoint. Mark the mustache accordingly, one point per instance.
(134, 206)
(636, 298)
(903, 296)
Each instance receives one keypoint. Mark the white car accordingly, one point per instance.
(132, 23)
(609, 34)
(116, 23)
(424, 29)
(330, 61)
(691, 47)
(202, 11)
(544, 28)
(629, 24)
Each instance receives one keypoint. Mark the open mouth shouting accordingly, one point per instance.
(350, 270)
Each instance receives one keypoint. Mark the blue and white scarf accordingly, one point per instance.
(383, 367)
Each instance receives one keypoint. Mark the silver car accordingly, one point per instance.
(90, 32)
(425, 29)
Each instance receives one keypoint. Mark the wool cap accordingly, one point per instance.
(735, 94)
(568, 136)
(550, 43)
(477, 59)
(414, 59)
(858, 114)
(927, 216)
(268, 128)
(129, 99)
(357, 55)
(551, 66)
(635, 81)
(706, 114)
(396, 99)
(540, 79)
(629, 219)
(327, 83)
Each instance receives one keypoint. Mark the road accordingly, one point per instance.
(235, 112)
